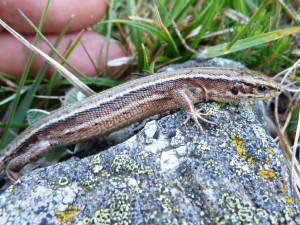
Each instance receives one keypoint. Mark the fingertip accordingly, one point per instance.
(89, 56)
(13, 56)
(58, 14)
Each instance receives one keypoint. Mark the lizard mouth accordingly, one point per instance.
(277, 91)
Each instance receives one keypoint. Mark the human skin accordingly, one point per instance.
(13, 54)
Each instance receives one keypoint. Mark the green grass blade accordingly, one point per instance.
(289, 12)
(206, 20)
(171, 45)
(218, 50)
(136, 36)
(146, 61)
(247, 26)
(54, 49)
(99, 81)
(28, 98)
(178, 10)
(7, 137)
(8, 76)
(12, 97)
(164, 14)
(240, 6)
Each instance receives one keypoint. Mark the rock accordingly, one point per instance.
(168, 173)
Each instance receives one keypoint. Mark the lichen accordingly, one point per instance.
(164, 199)
(270, 151)
(281, 187)
(268, 173)
(260, 134)
(238, 144)
(251, 161)
(243, 212)
(288, 199)
(67, 215)
(202, 146)
(239, 166)
(144, 154)
(63, 181)
(123, 162)
(95, 164)
(116, 211)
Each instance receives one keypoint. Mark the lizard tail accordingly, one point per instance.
(3, 165)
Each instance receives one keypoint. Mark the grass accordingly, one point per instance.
(260, 34)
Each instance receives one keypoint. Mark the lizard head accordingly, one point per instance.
(242, 84)
(255, 85)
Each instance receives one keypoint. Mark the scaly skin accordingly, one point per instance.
(133, 101)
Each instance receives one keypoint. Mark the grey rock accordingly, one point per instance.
(233, 173)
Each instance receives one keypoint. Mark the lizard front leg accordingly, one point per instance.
(185, 98)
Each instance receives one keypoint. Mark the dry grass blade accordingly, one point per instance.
(63, 71)
(182, 39)
(292, 164)
(288, 151)
(295, 163)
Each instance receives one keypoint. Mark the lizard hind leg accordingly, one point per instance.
(16, 164)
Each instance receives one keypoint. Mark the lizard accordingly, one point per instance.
(112, 109)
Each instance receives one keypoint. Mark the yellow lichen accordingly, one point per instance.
(281, 187)
(67, 215)
(238, 144)
(268, 174)
(270, 151)
(251, 161)
(288, 199)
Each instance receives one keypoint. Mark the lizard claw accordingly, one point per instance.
(197, 115)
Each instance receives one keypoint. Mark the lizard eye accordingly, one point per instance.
(235, 90)
(261, 89)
